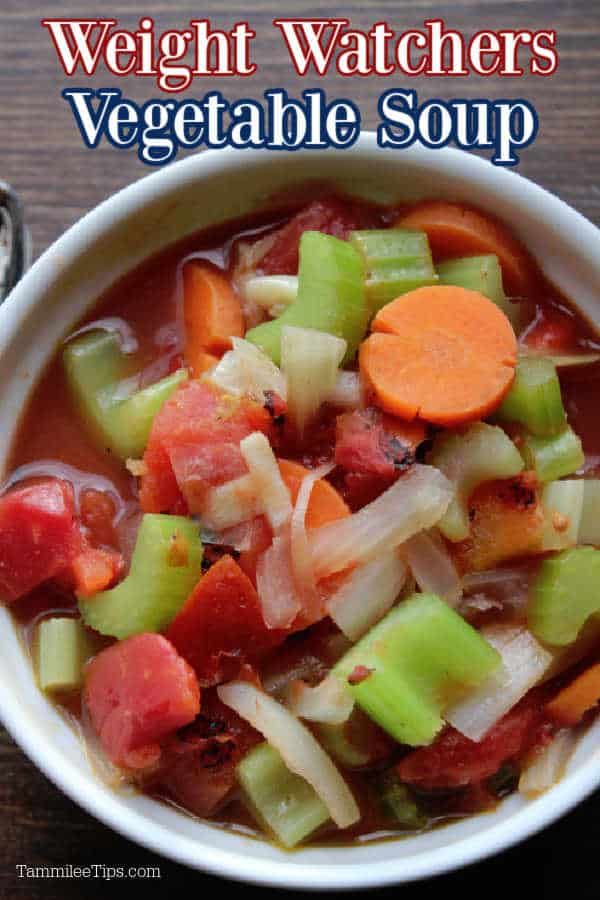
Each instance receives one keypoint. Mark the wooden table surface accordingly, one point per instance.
(42, 155)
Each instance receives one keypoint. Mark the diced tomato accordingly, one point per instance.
(455, 761)
(97, 513)
(363, 444)
(330, 215)
(194, 444)
(198, 765)
(552, 331)
(39, 535)
(95, 569)
(137, 692)
(221, 625)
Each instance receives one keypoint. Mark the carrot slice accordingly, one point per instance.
(325, 504)
(457, 230)
(212, 312)
(442, 353)
(570, 704)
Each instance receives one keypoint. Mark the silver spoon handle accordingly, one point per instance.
(14, 240)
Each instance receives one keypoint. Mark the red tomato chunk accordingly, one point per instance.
(331, 216)
(221, 625)
(194, 445)
(455, 761)
(138, 692)
(39, 536)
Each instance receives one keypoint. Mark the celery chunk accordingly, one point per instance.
(331, 296)
(399, 804)
(553, 457)
(481, 453)
(589, 526)
(562, 502)
(396, 261)
(164, 569)
(419, 659)
(565, 594)
(482, 274)
(61, 647)
(534, 399)
(282, 801)
(97, 371)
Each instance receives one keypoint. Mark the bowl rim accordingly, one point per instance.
(84, 788)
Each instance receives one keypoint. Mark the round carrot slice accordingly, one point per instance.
(442, 353)
(456, 230)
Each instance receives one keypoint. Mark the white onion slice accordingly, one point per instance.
(367, 595)
(432, 566)
(348, 392)
(270, 486)
(247, 371)
(310, 360)
(301, 752)
(273, 293)
(547, 765)
(231, 503)
(501, 587)
(524, 662)
(279, 597)
(328, 702)
(416, 501)
(301, 556)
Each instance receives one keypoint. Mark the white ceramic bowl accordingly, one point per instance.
(197, 192)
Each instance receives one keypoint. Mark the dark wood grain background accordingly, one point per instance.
(42, 155)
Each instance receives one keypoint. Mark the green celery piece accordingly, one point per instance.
(398, 802)
(482, 274)
(422, 656)
(97, 372)
(165, 567)
(534, 399)
(565, 594)
(331, 296)
(589, 526)
(553, 457)
(564, 498)
(282, 801)
(396, 261)
(61, 647)
(481, 453)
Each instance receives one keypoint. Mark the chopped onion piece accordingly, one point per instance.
(239, 537)
(273, 293)
(302, 562)
(524, 662)
(231, 503)
(329, 701)
(310, 360)
(270, 486)
(301, 752)
(547, 765)
(348, 392)
(432, 566)
(279, 597)
(562, 360)
(367, 595)
(249, 255)
(247, 371)
(416, 501)
(502, 587)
